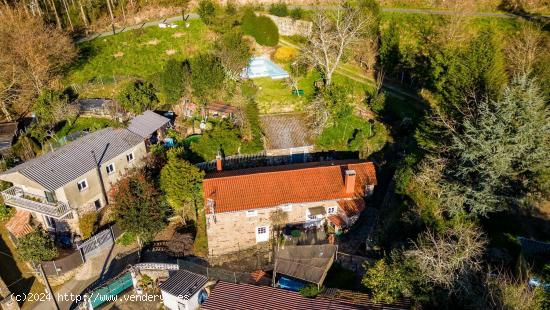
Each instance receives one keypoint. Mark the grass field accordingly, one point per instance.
(106, 63)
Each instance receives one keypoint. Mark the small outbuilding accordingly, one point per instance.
(184, 290)
(7, 135)
(149, 125)
(309, 263)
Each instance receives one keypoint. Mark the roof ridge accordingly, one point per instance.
(282, 171)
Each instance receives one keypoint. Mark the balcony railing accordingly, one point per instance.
(16, 197)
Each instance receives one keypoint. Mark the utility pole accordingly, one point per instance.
(48, 287)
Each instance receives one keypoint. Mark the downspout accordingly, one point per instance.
(98, 170)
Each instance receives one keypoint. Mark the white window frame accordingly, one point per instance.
(287, 208)
(128, 155)
(262, 236)
(80, 187)
(331, 210)
(251, 213)
(113, 169)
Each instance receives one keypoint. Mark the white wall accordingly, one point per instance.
(171, 302)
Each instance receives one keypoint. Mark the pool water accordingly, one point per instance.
(264, 67)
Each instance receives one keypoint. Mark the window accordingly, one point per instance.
(331, 210)
(251, 213)
(130, 157)
(97, 204)
(110, 168)
(262, 233)
(82, 185)
(286, 208)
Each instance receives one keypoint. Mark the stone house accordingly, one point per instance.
(58, 187)
(242, 206)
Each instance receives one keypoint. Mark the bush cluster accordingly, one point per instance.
(285, 54)
(263, 29)
(278, 9)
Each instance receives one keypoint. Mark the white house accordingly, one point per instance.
(184, 290)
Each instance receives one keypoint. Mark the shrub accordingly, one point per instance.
(207, 11)
(173, 80)
(278, 9)
(6, 212)
(88, 224)
(297, 13)
(310, 291)
(127, 238)
(285, 54)
(207, 76)
(262, 28)
(138, 96)
(36, 247)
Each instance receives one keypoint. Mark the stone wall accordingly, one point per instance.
(234, 231)
(290, 27)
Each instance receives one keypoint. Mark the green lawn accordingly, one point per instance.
(83, 123)
(106, 62)
(275, 96)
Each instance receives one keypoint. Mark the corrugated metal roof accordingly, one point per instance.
(147, 123)
(230, 296)
(306, 262)
(57, 168)
(184, 283)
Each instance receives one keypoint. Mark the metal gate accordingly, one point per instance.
(92, 246)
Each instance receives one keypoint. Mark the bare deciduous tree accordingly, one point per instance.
(524, 49)
(503, 291)
(366, 52)
(455, 30)
(318, 114)
(32, 55)
(448, 259)
(332, 34)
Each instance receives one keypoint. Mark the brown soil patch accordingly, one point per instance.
(170, 52)
(178, 34)
(153, 42)
(118, 54)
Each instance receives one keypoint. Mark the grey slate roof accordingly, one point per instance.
(147, 123)
(57, 168)
(184, 283)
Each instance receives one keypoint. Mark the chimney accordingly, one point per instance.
(349, 181)
(219, 166)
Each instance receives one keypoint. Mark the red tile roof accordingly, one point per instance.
(265, 187)
(19, 224)
(337, 220)
(352, 207)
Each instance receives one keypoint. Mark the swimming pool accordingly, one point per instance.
(263, 67)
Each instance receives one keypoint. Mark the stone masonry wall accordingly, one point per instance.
(234, 231)
(290, 27)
